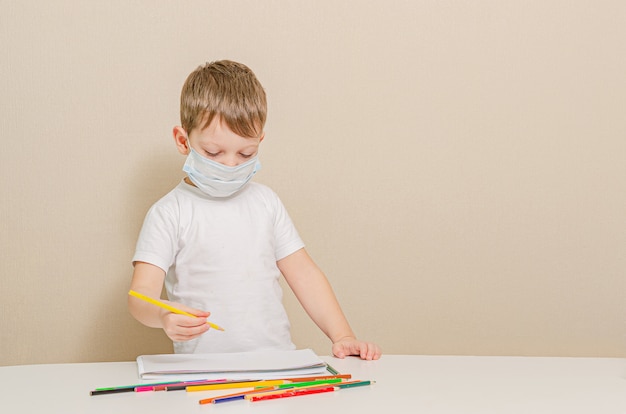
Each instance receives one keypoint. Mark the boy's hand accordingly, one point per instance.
(182, 328)
(351, 346)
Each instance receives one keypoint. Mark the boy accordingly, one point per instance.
(221, 242)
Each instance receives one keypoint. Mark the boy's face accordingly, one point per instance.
(218, 143)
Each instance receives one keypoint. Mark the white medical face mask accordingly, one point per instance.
(219, 180)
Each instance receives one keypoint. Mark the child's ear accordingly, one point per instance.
(180, 139)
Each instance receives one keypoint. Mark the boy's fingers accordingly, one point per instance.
(186, 328)
(188, 321)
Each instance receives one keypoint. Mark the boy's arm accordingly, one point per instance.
(314, 292)
(148, 280)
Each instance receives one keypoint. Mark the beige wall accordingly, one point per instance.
(457, 168)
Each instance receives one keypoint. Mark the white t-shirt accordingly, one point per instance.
(220, 255)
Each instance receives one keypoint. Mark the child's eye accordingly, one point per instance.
(211, 154)
(246, 155)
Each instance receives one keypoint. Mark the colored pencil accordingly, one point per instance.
(309, 383)
(292, 393)
(317, 378)
(353, 384)
(233, 398)
(133, 386)
(337, 386)
(331, 370)
(279, 389)
(127, 388)
(169, 307)
(144, 389)
(244, 384)
(111, 391)
(154, 386)
(184, 385)
(237, 395)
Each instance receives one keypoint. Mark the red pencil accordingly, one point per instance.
(292, 393)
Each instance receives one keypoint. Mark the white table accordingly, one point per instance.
(404, 384)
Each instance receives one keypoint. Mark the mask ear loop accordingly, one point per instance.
(187, 178)
(188, 141)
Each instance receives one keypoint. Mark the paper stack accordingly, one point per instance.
(238, 365)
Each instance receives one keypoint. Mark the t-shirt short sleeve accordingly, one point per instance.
(157, 242)
(286, 237)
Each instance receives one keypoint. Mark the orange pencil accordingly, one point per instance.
(235, 395)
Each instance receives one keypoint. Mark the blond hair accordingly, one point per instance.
(226, 89)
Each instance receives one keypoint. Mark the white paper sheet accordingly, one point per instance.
(239, 365)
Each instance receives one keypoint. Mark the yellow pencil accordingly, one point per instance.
(169, 308)
(229, 385)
